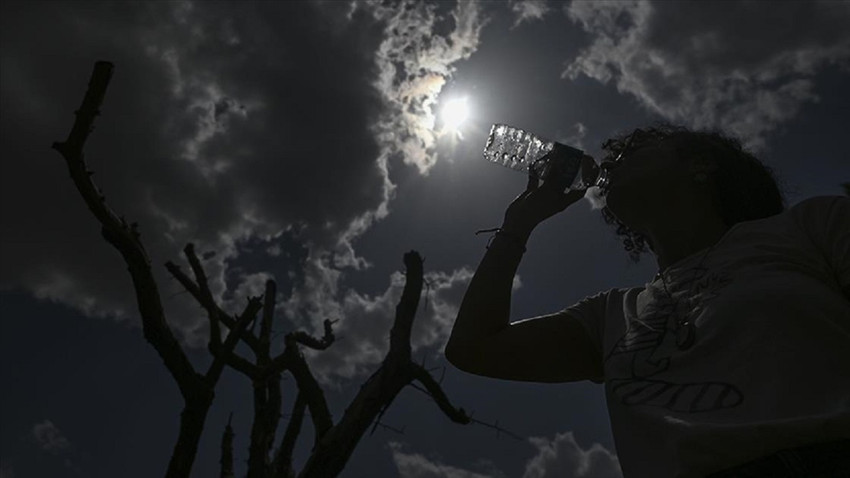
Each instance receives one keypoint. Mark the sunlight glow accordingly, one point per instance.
(454, 113)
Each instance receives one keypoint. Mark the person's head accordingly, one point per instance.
(658, 167)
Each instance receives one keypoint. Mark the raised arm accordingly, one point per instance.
(553, 348)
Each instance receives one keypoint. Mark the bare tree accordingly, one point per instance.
(197, 389)
(334, 443)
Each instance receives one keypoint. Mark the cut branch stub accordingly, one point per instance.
(405, 311)
(206, 295)
(308, 340)
(101, 75)
(227, 450)
(266, 323)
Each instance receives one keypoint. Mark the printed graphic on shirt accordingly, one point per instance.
(650, 344)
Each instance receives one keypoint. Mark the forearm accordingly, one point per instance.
(485, 309)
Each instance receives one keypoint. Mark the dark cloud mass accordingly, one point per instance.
(220, 124)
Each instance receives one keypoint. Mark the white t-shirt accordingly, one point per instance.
(769, 366)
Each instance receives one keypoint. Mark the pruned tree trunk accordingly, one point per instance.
(192, 420)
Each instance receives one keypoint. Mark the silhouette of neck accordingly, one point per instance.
(682, 228)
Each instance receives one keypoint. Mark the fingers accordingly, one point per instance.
(589, 169)
(533, 182)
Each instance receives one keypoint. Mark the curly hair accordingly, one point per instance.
(742, 187)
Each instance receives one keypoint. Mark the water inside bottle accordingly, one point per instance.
(523, 151)
(515, 148)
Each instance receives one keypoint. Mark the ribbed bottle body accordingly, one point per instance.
(523, 151)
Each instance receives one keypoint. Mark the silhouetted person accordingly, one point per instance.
(735, 359)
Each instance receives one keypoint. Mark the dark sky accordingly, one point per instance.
(303, 141)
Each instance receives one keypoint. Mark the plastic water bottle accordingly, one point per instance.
(547, 160)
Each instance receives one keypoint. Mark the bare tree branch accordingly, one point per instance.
(121, 235)
(308, 340)
(473, 420)
(193, 289)
(309, 387)
(498, 429)
(334, 443)
(208, 303)
(405, 311)
(267, 400)
(248, 316)
(283, 459)
(334, 449)
(227, 451)
(378, 423)
(238, 363)
(272, 417)
(266, 324)
(457, 415)
(196, 392)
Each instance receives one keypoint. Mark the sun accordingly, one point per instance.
(455, 113)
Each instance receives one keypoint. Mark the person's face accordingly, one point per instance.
(643, 179)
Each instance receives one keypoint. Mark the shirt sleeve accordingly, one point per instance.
(591, 313)
(826, 220)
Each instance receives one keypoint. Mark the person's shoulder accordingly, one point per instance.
(611, 294)
(820, 203)
(822, 216)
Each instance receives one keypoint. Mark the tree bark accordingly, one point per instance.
(227, 451)
(197, 390)
(192, 420)
(397, 371)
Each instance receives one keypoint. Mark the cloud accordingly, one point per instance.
(49, 438)
(414, 62)
(740, 66)
(211, 131)
(222, 126)
(528, 11)
(365, 321)
(575, 137)
(415, 465)
(563, 457)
